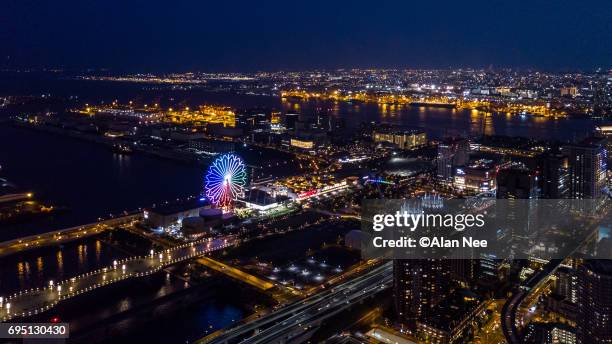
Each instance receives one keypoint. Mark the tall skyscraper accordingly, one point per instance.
(419, 284)
(588, 168)
(605, 131)
(554, 178)
(451, 154)
(594, 321)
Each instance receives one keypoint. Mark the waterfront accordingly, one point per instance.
(187, 301)
(87, 178)
(213, 172)
(90, 181)
(437, 122)
(443, 122)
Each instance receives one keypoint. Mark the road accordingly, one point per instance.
(236, 273)
(512, 306)
(304, 315)
(37, 300)
(64, 235)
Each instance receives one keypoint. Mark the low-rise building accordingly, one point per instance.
(170, 214)
(402, 139)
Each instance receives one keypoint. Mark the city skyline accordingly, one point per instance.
(317, 172)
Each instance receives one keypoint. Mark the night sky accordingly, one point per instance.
(161, 35)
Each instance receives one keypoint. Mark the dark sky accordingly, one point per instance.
(226, 35)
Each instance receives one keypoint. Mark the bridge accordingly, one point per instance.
(235, 273)
(64, 235)
(305, 316)
(37, 300)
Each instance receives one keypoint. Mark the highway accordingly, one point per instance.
(37, 300)
(304, 315)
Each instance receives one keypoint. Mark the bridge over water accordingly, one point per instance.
(36, 300)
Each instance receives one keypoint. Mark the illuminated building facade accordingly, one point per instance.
(418, 285)
(594, 324)
(587, 168)
(304, 144)
(605, 131)
(549, 333)
(452, 154)
(403, 140)
(570, 91)
(554, 181)
(475, 178)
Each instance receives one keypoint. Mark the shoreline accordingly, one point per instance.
(79, 135)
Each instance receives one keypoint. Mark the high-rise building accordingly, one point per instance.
(564, 298)
(594, 321)
(588, 168)
(516, 183)
(566, 284)
(419, 284)
(452, 153)
(554, 179)
(549, 333)
(291, 120)
(605, 131)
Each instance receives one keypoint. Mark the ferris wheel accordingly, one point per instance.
(225, 180)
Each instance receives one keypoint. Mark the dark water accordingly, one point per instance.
(160, 309)
(36, 268)
(87, 178)
(441, 122)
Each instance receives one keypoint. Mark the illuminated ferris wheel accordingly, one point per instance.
(225, 180)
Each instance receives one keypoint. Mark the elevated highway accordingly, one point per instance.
(304, 316)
